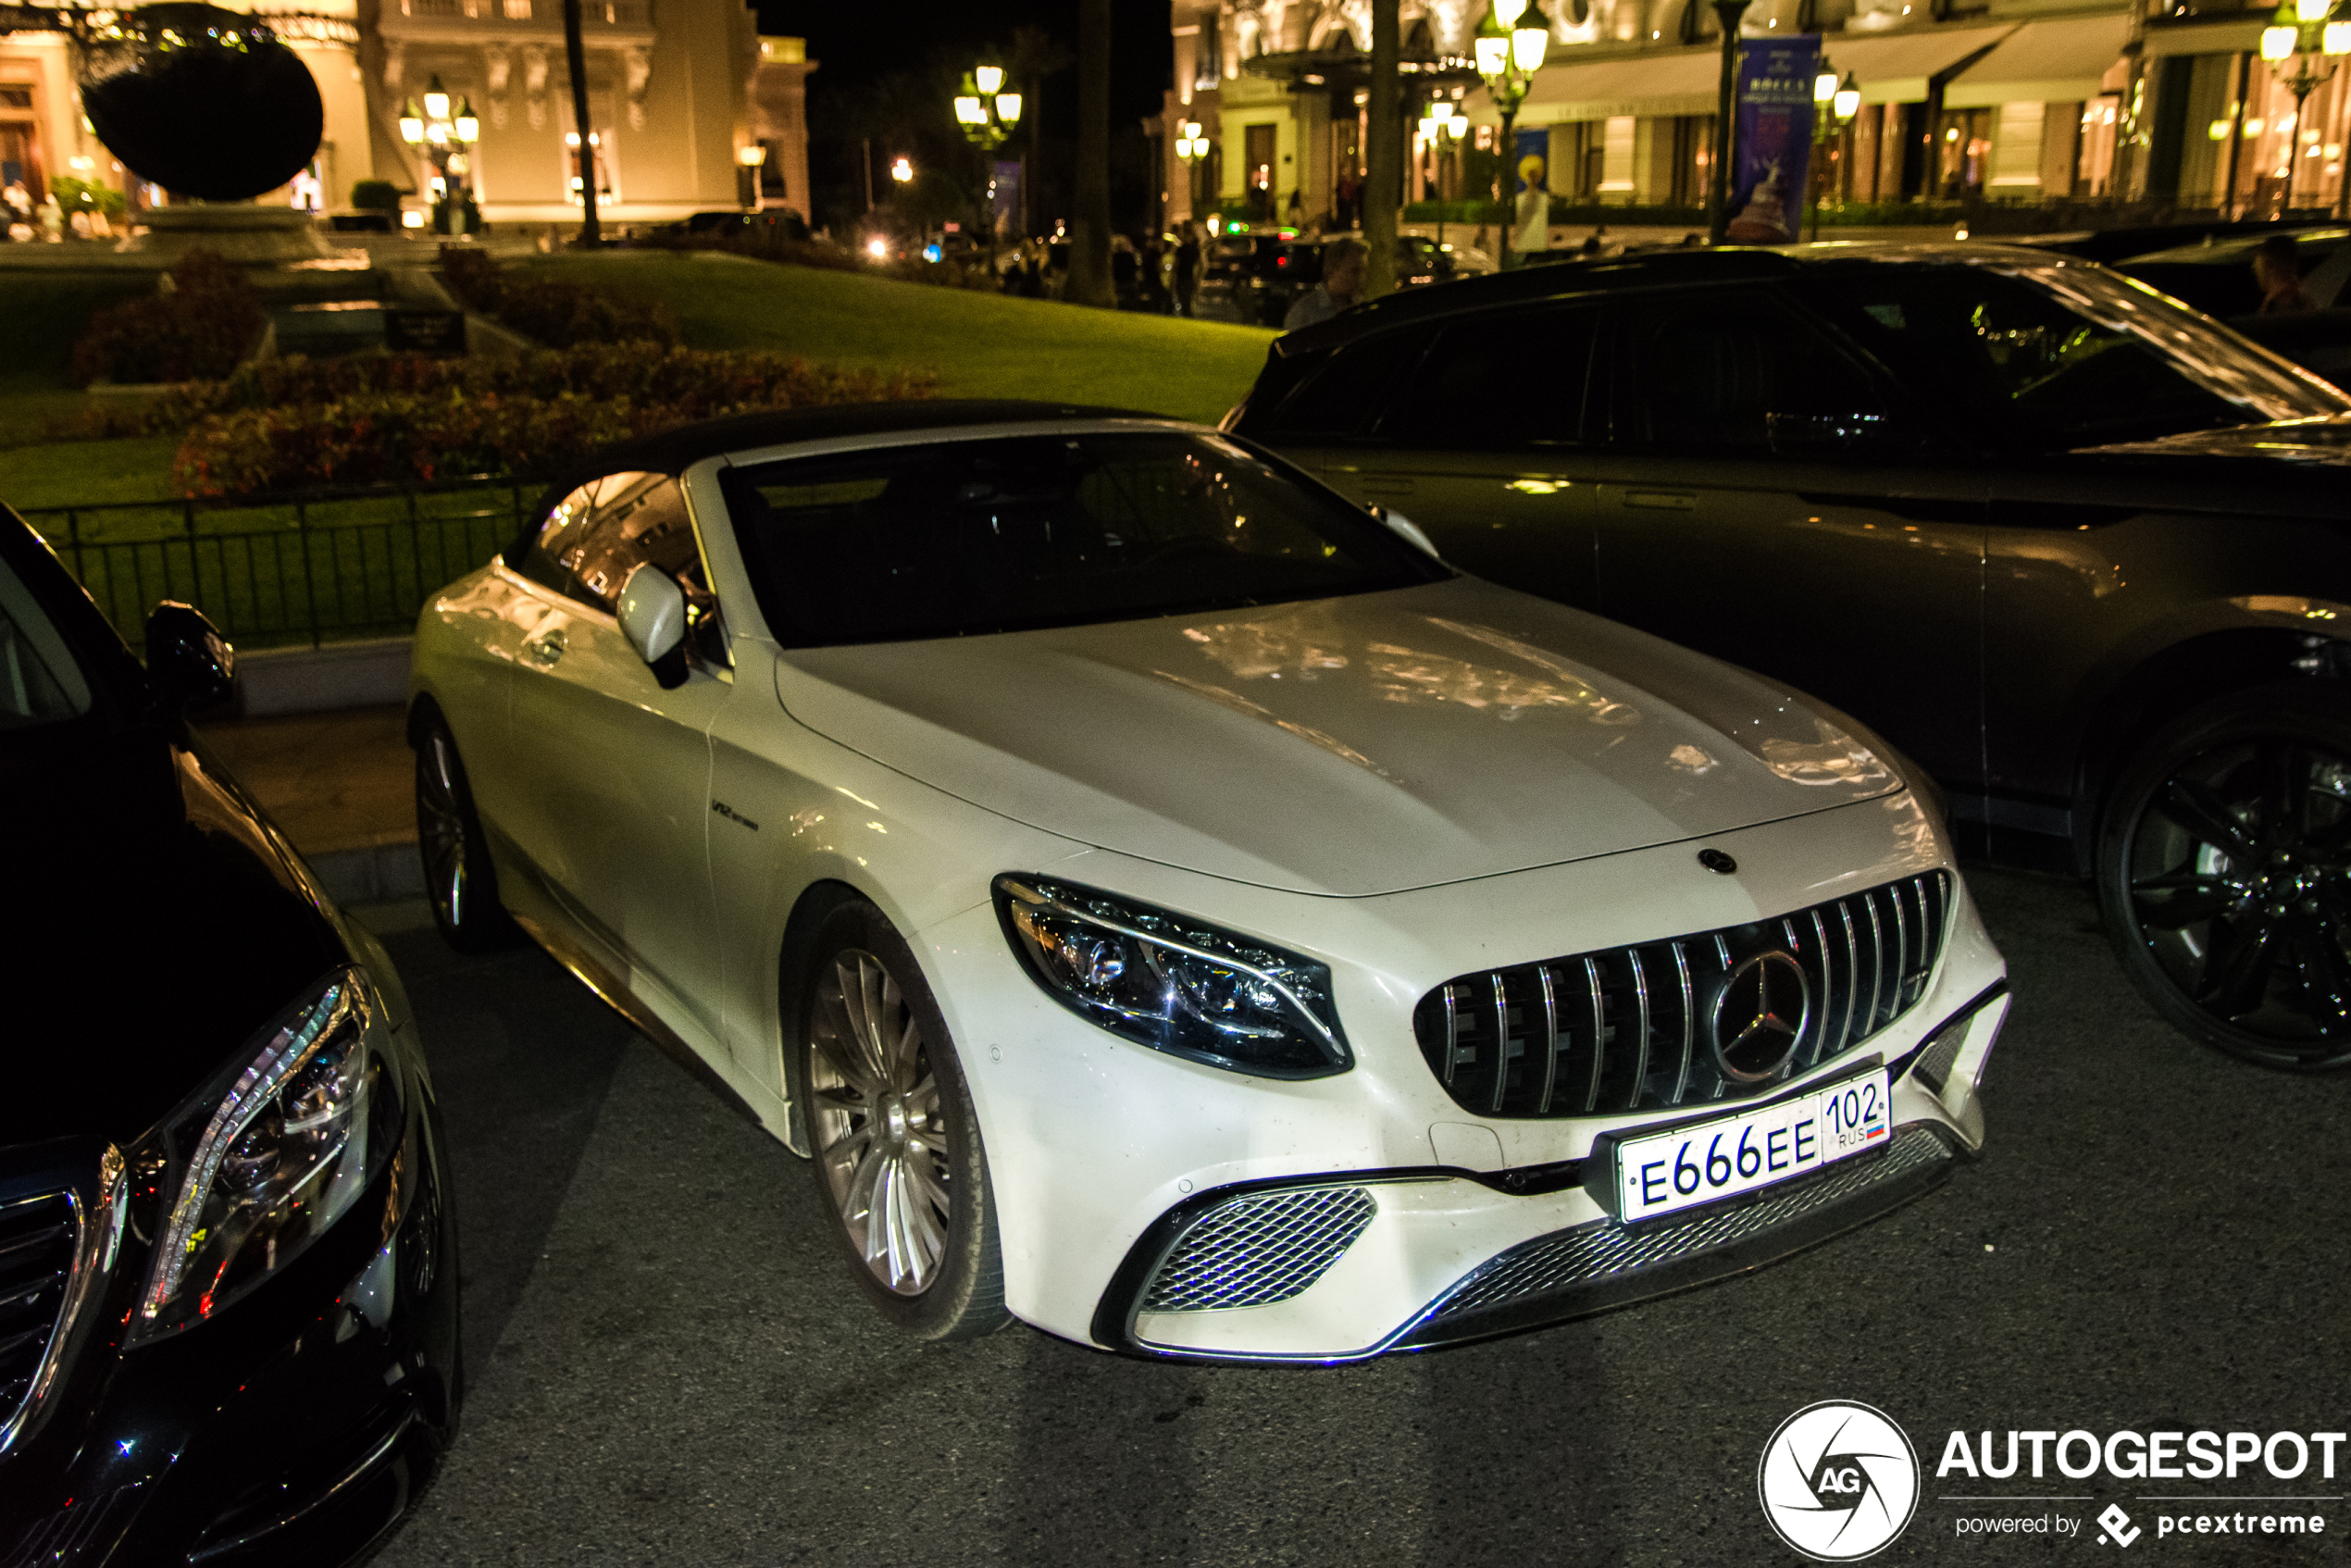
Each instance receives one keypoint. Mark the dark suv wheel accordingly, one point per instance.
(2224, 873)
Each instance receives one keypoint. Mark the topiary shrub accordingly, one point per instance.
(376, 195)
(199, 329)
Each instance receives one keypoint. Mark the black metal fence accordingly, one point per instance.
(312, 567)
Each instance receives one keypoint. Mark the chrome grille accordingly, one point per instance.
(1596, 1252)
(37, 1238)
(1630, 1029)
(1258, 1250)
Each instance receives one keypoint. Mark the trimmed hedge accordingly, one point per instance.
(200, 327)
(559, 315)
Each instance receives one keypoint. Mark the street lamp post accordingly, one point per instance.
(444, 134)
(1729, 14)
(1192, 147)
(1443, 129)
(988, 114)
(2307, 33)
(1833, 106)
(1510, 44)
(750, 158)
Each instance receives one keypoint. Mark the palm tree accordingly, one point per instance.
(1035, 55)
(1090, 281)
(575, 56)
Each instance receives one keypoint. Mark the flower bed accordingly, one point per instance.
(372, 418)
(202, 326)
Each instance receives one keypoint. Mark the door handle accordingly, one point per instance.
(1663, 500)
(545, 650)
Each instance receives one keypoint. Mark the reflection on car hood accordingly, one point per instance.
(2323, 441)
(1350, 746)
(152, 924)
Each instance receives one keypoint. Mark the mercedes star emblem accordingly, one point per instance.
(1760, 1015)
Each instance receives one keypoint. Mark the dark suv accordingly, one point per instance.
(1973, 495)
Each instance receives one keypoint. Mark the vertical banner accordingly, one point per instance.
(1531, 166)
(1774, 147)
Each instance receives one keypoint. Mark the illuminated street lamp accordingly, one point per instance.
(1510, 44)
(444, 134)
(2307, 33)
(1192, 147)
(986, 114)
(750, 158)
(1833, 106)
(1444, 128)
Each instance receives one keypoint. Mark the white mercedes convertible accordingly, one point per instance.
(1169, 906)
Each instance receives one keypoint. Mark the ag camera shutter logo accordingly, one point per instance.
(1838, 1481)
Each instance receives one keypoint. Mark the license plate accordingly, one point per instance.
(1706, 1162)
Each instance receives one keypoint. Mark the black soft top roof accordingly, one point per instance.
(675, 450)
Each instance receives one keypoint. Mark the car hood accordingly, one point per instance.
(2320, 443)
(153, 922)
(1345, 746)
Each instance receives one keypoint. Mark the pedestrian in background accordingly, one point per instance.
(1342, 283)
(2277, 268)
(1186, 266)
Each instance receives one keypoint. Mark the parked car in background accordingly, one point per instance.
(1927, 484)
(1169, 904)
(1255, 280)
(2216, 277)
(228, 1265)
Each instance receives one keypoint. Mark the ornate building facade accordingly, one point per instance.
(677, 91)
(2037, 101)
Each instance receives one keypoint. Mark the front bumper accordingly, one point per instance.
(1413, 1220)
(292, 1429)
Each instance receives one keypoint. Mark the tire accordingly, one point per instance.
(2223, 872)
(895, 1144)
(460, 881)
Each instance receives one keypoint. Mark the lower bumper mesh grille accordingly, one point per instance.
(1599, 1252)
(1258, 1250)
(1632, 1028)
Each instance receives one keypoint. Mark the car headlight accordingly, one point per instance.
(1173, 983)
(267, 1166)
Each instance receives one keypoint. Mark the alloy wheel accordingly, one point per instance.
(441, 826)
(880, 1129)
(2239, 878)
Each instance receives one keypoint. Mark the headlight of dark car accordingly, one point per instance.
(1173, 983)
(269, 1165)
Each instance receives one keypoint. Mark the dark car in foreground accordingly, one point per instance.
(228, 1275)
(1931, 485)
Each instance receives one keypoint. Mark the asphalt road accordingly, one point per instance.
(669, 1365)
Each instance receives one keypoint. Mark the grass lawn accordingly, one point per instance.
(981, 344)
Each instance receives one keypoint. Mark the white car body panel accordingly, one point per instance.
(1471, 779)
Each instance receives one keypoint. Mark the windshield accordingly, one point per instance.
(2058, 354)
(960, 537)
(40, 682)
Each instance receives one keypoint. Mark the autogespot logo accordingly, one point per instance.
(1838, 1481)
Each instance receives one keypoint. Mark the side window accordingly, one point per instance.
(604, 530)
(1344, 398)
(1708, 373)
(1509, 380)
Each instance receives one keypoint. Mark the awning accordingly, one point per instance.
(1889, 68)
(1655, 81)
(2055, 61)
(1899, 67)
(2233, 35)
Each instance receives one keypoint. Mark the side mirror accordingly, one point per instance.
(191, 666)
(1404, 526)
(652, 616)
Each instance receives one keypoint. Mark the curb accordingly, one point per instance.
(324, 679)
(370, 875)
